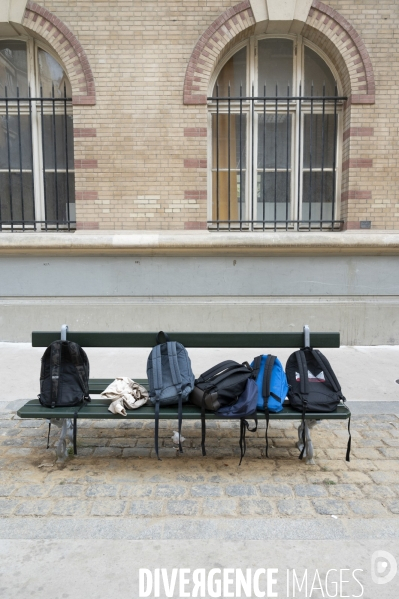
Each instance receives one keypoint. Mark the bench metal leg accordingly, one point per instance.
(66, 426)
(308, 453)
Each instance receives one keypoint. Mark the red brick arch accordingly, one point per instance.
(226, 31)
(350, 46)
(324, 26)
(57, 35)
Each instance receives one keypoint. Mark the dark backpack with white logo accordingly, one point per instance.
(313, 385)
(64, 378)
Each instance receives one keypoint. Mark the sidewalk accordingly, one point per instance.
(116, 490)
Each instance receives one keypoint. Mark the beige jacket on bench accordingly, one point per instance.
(125, 394)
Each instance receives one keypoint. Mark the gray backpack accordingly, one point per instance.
(170, 379)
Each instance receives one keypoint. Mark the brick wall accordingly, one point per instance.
(141, 153)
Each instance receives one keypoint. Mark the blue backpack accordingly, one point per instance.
(271, 381)
(170, 379)
(272, 386)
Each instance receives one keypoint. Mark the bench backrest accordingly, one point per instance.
(262, 340)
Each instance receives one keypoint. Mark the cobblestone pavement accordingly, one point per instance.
(116, 474)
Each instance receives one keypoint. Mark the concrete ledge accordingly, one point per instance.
(201, 243)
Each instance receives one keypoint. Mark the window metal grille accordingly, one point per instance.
(36, 163)
(274, 161)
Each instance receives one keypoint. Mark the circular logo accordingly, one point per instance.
(383, 567)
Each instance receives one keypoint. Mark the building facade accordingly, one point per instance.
(199, 164)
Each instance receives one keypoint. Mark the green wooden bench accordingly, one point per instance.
(98, 408)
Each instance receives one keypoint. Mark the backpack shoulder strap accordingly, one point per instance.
(328, 371)
(156, 370)
(303, 372)
(76, 358)
(174, 364)
(55, 364)
(304, 390)
(177, 381)
(256, 366)
(157, 381)
(267, 376)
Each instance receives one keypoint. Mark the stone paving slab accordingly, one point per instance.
(116, 475)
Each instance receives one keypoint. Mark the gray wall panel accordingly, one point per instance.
(22, 276)
(370, 321)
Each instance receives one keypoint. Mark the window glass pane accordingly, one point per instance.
(59, 193)
(57, 142)
(15, 134)
(51, 73)
(13, 68)
(318, 73)
(16, 201)
(275, 66)
(273, 196)
(228, 140)
(317, 196)
(274, 141)
(233, 74)
(318, 140)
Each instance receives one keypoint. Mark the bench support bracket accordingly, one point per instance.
(308, 453)
(66, 434)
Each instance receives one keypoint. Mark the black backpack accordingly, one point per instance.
(313, 386)
(64, 378)
(222, 385)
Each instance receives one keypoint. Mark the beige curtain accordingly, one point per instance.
(220, 141)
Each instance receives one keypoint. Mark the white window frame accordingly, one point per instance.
(32, 57)
(297, 153)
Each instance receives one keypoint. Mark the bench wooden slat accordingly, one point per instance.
(147, 339)
(98, 409)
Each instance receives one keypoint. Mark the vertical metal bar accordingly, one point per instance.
(287, 159)
(44, 160)
(334, 155)
(322, 157)
(310, 155)
(228, 157)
(241, 156)
(264, 158)
(57, 216)
(31, 159)
(252, 156)
(66, 159)
(217, 156)
(20, 161)
(306, 336)
(9, 160)
(275, 159)
(300, 170)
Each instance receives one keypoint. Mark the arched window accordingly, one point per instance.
(275, 116)
(36, 140)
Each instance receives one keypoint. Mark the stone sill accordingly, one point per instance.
(201, 243)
